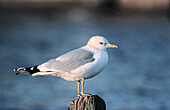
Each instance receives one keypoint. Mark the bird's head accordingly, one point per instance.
(100, 42)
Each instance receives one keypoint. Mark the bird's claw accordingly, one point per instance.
(83, 94)
(78, 94)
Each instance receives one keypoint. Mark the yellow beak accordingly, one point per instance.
(112, 46)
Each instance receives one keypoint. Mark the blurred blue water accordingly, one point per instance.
(137, 76)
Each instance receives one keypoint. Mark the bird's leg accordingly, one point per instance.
(82, 87)
(78, 83)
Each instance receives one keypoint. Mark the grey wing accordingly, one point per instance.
(76, 54)
(72, 60)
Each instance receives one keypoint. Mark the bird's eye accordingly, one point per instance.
(101, 43)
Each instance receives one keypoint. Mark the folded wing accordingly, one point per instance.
(68, 61)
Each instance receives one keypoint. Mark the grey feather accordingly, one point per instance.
(72, 60)
(77, 54)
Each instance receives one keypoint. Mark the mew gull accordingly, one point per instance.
(76, 65)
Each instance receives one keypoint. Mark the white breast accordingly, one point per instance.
(101, 59)
(90, 69)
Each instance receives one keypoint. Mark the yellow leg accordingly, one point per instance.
(82, 87)
(78, 83)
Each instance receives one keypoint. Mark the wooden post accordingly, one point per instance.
(87, 102)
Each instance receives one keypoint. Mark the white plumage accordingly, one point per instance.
(76, 65)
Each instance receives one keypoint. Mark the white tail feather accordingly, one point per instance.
(45, 73)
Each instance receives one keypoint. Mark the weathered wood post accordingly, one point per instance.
(87, 102)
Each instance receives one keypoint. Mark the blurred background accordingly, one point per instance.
(137, 76)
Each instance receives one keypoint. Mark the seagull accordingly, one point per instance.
(76, 65)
